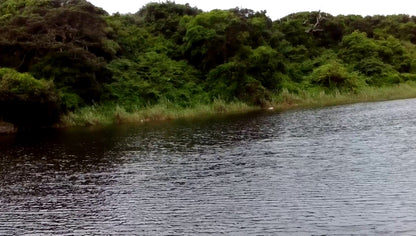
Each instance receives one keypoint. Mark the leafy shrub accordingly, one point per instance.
(230, 81)
(26, 101)
(371, 67)
(70, 101)
(151, 78)
(408, 77)
(377, 73)
(264, 65)
(335, 75)
(356, 46)
(223, 81)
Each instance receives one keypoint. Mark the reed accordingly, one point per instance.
(115, 114)
(284, 100)
(319, 98)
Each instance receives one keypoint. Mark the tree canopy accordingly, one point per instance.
(67, 54)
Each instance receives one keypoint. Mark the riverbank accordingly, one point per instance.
(113, 114)
(286, 100)
(105, 115)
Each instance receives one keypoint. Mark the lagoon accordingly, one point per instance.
(341, 170)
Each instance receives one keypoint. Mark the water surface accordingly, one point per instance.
(340, 170)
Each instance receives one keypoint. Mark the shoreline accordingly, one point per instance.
(285, 101)
(289, 101)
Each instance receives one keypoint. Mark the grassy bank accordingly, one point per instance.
(113, 114)
(310, 99)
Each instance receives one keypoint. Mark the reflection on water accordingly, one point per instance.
(341, 170)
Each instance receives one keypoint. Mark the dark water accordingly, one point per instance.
(341, 170)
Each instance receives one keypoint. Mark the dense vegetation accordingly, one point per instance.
(58, 56)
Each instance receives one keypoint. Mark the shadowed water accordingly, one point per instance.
(341, 170)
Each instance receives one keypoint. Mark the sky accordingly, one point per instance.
(278, 9)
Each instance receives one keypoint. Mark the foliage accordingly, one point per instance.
(151, 78)
(165, 17)
(168, 53)
(25, 101)
(64, 41)
(230, 81)
(207, 42)
(335, 75)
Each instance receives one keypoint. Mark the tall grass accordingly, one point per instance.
(166, 110)
(319, 98)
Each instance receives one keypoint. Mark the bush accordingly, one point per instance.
(408, 77)
(150, 79)
(223, 81)
(335, 75)
(230, 81)
(356, 46)
(26, 101)
(371, 66)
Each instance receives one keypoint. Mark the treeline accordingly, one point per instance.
(60, 55)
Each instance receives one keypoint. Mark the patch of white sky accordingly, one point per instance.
(278, 9)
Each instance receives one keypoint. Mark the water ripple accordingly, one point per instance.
(347, 170)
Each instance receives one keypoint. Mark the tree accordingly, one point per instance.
(57, 39)
(205, 41)
(335, 75)
(358, 46)
(26, 101)
(151, 78)
(164, 17)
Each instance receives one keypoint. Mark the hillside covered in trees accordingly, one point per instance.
(60, 56)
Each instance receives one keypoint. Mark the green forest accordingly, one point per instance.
(61, 59)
